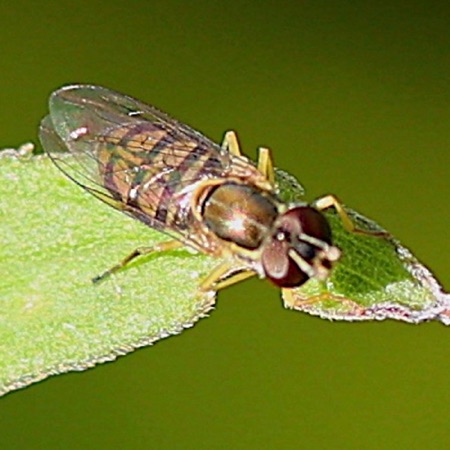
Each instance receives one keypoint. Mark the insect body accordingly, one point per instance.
(172, 178)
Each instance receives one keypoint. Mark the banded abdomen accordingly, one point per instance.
(156, 172)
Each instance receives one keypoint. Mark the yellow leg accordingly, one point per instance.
(296, 301)
(289, 299)
(157, 248)
(265, 164)
(332, 201)
(214, 281)
(293, 300)
(231, 143)
(236, 278)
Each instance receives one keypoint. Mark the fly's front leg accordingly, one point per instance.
(157, 248)
(214, 281)
(295, 300)
(265, 164)
(230, 143)
(332, 201)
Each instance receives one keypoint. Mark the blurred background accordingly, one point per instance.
(354, 99)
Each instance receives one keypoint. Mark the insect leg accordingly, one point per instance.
(289, 300)
(236, 278)
(299, 302)
(329, 201)
(265, 164)
(231, 143)
(161, 247)
(214, 280)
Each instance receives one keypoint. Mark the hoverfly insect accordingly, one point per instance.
(204, 196)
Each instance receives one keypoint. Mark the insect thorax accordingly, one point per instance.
(241, 214)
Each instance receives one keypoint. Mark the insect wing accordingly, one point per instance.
(79, 175)
(117, 144)
(94, 111)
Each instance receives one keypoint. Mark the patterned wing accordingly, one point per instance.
(132, 156)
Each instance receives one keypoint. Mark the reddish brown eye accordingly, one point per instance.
(307, 220)
(279, 267)
(295, 250)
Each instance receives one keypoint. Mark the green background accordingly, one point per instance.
(353, 99)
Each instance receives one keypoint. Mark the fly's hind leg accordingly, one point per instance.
(329, 201)
(217, 279)
(157, 248)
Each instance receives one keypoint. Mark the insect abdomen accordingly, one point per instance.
(152, 172)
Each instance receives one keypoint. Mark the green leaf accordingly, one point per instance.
(376, 278)
(55, 238)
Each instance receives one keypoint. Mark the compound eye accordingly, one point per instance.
(300, 249)
(279, 267)
(307, 220)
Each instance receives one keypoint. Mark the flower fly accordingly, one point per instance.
(206, 196)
